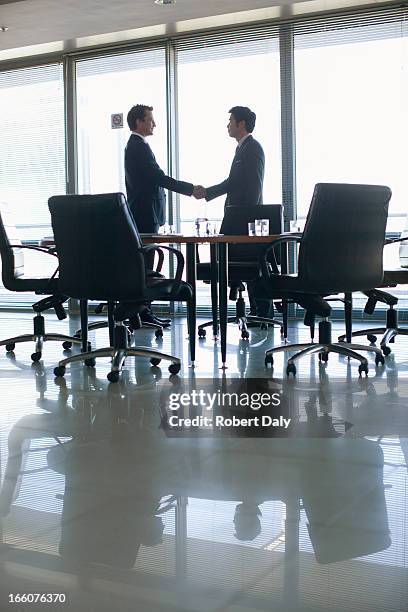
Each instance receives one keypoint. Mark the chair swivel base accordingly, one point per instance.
(389, 332)
(118, 354)
(118, 357)
(102, 324)
(264, 321)
(39, 337)
(323, 347)
(242, 324)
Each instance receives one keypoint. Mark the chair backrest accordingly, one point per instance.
(97, 244)
(342, 243)
(235, 222)
(12, 260)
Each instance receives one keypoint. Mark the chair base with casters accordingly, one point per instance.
(102, 324)
(323, 347)
(39, 337)
(391, 329)
(118, 353)
(240, 318)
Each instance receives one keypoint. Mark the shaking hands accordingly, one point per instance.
(199, 192)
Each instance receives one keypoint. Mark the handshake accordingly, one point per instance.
(199, 192)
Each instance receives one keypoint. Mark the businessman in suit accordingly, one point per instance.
(145, 180)
(245, 181)
(145, 183)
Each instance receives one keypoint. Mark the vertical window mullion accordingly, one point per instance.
(287, 76)
(173, 204)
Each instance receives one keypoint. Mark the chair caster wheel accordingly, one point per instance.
(324, 357)
(158, 333)
(155, 361)
(363, 368)
(66, 345)
(113, 377)
(371, 338)
(291, 369)
(268, 360)
(245, 335)
(91, 361)
(386, 350)
(59, 371)
(201, 333)
(174, 368)
(10, 347)
(379, 360)
(36, 356)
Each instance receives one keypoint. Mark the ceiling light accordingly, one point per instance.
(163, 2)
(3, 28)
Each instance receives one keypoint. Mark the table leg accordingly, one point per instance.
(348, 316)
(223, 298)
(111, 322)
(192, 280)
(83, 309)
(214, 288)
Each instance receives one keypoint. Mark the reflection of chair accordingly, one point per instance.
(243, 262)
(105, 262)
(343, 496)
(12, 259)
(110, 508)
(341, 251)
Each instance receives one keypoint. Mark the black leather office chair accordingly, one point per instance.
(243, 261)
(105, 262)
(12, 260)
(341, 251)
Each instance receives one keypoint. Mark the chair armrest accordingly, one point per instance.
(263, 259)
(47, 251)
(161, 260)
(180, 263)
(394, 240)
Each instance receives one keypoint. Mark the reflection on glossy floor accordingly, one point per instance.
(100, 502)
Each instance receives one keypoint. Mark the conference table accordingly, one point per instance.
(219, 264)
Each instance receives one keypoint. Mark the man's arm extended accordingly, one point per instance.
(216, 190)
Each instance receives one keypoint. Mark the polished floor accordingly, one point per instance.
(105, 506)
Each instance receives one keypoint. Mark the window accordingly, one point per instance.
(109, 85)
(351, 89)
(32, 164)
(210, 81)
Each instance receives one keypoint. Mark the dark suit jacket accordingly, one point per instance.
(244, 184)
(145, 181)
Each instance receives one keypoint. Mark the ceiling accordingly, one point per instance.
(46, 26)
